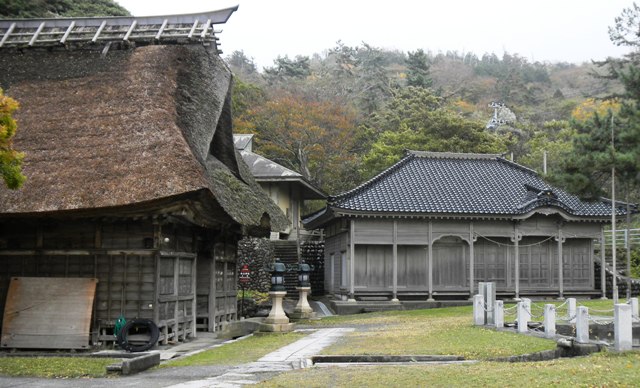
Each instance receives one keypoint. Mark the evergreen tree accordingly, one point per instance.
(418, 69)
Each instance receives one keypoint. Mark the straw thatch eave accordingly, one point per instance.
(105, 132)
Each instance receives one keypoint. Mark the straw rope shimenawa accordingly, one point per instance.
(139, 127)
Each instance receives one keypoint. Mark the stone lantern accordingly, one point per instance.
(302, 309)
(277, 321)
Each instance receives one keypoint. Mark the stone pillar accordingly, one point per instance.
(277, 321)
(498, 314)
(549, 320)
(478, 310)
(582, 325)
(303, 310)
(571, 309)
(622, 329)
(488, 291)
(522, 317)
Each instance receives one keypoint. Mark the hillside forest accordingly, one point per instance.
(342, 116)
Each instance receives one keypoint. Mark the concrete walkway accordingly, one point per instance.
(292, 356)
(289, 357)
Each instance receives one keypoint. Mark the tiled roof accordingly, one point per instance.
(464, 184)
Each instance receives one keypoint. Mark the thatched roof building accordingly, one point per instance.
(132, 175)
(133, 127)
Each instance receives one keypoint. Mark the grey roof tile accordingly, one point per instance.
(430, 182)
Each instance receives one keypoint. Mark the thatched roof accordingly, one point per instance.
(138, 125)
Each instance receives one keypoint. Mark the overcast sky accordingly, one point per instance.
(540, 30)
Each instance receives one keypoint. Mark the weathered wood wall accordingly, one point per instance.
(145, 270)
(457, 246)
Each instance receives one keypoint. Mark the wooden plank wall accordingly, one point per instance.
(494, 255)
(144, 270)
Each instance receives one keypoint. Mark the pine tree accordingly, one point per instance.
(418, 69)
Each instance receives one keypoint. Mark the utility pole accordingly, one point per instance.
(614, 289)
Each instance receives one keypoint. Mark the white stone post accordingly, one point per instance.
(527, 306)
(622, 329)
(478, 310)
(549, 320)
(489, 293)
(582, 325)
(571, 309)
(634, 308)
(498, 314)
(523, 317)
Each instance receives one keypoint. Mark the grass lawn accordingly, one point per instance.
(55, 367)
(243, 351)
(599, 370)
(449, 331)
(433, 331)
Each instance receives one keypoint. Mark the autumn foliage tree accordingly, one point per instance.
(314, 138)
(10, 159)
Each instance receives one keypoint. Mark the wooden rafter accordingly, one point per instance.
(23, 33)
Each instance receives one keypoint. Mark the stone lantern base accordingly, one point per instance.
(277, 321)
(302, 309)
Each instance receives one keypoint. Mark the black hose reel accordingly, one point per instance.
(138, 335)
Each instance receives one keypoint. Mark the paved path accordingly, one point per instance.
(293, 356)
(290, 357)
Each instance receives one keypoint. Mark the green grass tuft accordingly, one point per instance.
(246, 350)
(55, 367)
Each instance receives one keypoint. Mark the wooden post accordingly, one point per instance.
(352, 254)
(176, 309)
(603, 273)
(430, 270)
(472, 240)
(194, 305)
(395, 262)
(516, 241)
(560, 239)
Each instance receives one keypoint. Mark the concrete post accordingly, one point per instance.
(527, 306)
(478, 310)
(523, 317)
(489, 293)
(582, 325)
(549, 320)
(622, 329)
(571, 309)
(634, 308)
(498, 314)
